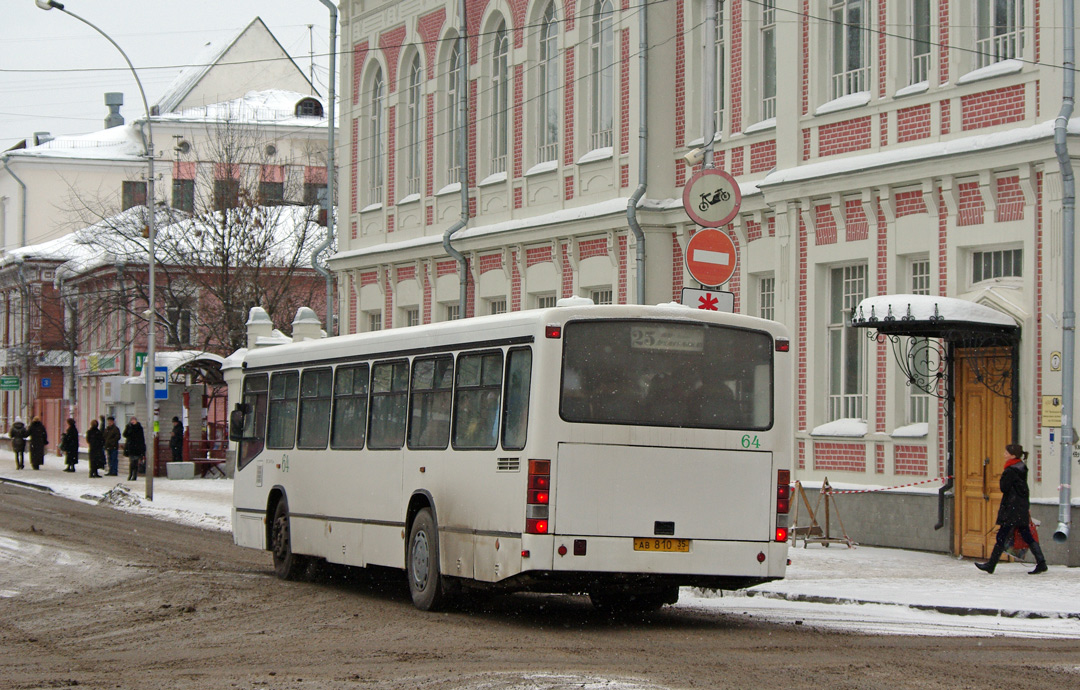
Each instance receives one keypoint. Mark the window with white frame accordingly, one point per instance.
(850, 47)
(721, 70)
(547, 74)
(600, 295)
(768, 59)
(918, 404)
(920, 41)
(497, 306)
(546, 301)
(1001, 263)
(846, 349)
(452, 311)
(375, 143)
(500, 98)
(412, 316)
(374, 321)
(1000, 30)
(767, 297)
(413, 137)
(453, 116)
(602, 52)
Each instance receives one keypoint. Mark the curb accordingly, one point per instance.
(28, 485)
(938, 608)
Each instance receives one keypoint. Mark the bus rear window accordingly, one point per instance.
(673, 374)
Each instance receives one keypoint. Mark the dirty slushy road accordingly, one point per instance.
(91, 597)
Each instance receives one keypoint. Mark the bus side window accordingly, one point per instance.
(350, 407)
(281, 425)
(476, 400)
(254, 419)
(432, 392)
(516, 401)
(315, 389)
(389, 405)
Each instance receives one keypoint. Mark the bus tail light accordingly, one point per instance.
(783, 504)
(783, 345)
(553, 332)
(538, 497)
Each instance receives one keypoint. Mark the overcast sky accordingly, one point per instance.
(55, 70)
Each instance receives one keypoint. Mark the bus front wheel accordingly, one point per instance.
(287, 565)
(425, 582)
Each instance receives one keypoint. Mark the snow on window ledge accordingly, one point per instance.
(493, 178)
(841, 427)
(600, 154)
(761, 126)
(911, 90)
(852, 100)
(996, 69)
(371, 207)
(540, 168)
(449, 189)
(408, 199)
(918, 430)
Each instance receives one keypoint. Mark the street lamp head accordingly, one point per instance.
(49, 4)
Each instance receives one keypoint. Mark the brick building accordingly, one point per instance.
(881, 148)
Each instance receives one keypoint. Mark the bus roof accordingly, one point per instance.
(519, 324)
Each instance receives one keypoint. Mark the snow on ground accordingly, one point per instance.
(862, 589)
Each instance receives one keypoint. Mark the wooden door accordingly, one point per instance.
(983, 428)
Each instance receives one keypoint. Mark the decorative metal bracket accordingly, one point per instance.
(922, 361)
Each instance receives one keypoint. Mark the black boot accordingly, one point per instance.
(1040, 560)
(988, 566)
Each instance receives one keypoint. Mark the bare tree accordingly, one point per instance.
(240, 234)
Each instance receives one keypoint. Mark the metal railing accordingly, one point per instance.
(847, 406)
(920, 68)
(1004, 46)
(601, 139)
(768, 108)
(852, 81)
(547, 152)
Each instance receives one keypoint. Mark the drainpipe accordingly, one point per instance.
(1068, 207)
(463, 178)
(22, 224)
(643, 164)
(330, 177)
(24, 349)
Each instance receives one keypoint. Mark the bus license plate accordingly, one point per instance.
(664, 545)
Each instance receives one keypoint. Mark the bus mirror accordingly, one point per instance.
(236, 422)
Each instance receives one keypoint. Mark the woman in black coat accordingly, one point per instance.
(1014, 513)
(134, 447)
(18, 435)
(39, 438)
(95, 443)
(69, 444)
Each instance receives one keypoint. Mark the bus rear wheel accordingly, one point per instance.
(287, 565)
(422, 565)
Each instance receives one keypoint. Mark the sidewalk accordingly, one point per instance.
(838, 575)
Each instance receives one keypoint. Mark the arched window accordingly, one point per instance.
(414, 143)
(374, 133)
(500, 98)
(309, 107)
(548, 87)
(453, 115)
(602, 50)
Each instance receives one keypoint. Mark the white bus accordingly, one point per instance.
(619, 451)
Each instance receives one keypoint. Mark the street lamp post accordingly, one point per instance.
(148, 145)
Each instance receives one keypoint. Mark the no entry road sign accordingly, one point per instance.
(711, 257)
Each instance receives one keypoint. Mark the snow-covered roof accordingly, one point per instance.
(184, 82)
(122, 143)
(112, 240)
(271, 106)
(874, 311)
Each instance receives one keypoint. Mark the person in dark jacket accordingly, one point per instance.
(111, 434)
(1014, 514)
(176, 441)
(39, 438)
(18, 434)
(69, 444)
(134, 447)
(95, 444)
